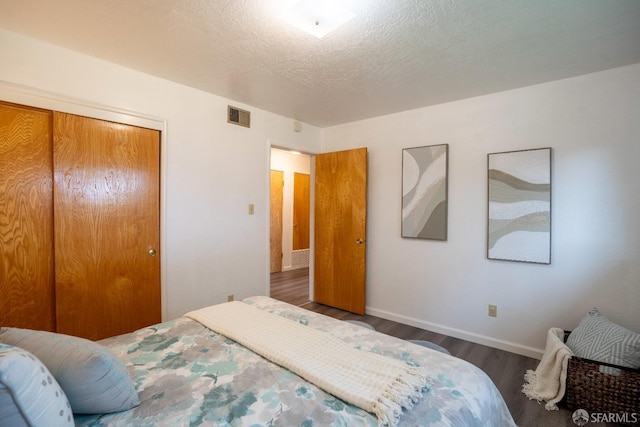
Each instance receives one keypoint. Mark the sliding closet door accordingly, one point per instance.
(26, 219)
(106, 210)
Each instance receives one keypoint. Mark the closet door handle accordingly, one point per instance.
(152, 252)
(360, 241)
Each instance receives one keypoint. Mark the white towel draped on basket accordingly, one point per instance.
(548, 381)
(376, 383)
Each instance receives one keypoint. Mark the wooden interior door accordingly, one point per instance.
(26, 218)
(275, 234)
(340, 229)
(301, 203)
(107, 226)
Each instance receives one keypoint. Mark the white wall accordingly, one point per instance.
(592, 123)
(289, 164)
(211, 170)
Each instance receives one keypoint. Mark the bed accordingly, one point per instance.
(185, 374)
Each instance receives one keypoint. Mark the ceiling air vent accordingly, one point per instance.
(238, 116)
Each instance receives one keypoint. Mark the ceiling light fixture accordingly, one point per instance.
(318, 17)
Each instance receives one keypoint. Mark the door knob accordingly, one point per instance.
(360, 241)
(152, 252)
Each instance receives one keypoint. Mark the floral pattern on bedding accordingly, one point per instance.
(188, 375)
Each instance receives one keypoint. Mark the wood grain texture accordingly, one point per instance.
(26, 218)
(106, 210)
(340, 223)
(275, 233)
(301, 206)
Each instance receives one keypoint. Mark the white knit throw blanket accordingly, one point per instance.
(376, 383)
(548, 381)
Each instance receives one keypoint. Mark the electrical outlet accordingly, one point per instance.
(229, 297)
(493, 310)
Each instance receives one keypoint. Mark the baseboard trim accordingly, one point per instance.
(458, 333)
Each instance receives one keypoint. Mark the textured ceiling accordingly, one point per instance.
(395, 55)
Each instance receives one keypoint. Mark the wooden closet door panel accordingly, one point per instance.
(106, 211)
(275, 233)
(26, 219)
(301, 207)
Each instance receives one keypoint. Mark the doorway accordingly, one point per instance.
(337, 274)
(290, 226)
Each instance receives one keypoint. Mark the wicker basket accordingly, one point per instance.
(588, 388)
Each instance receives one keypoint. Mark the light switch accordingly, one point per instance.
(251, 209)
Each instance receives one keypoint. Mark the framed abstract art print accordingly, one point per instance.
(519, 206)
(424, 192)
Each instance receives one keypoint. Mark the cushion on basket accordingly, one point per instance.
(597, 338)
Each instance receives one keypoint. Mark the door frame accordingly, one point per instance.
(28, 96)
(312, 167)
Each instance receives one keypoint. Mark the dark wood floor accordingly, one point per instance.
(504, 368)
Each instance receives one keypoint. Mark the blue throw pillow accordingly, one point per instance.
(93, 378)
(29, 394)
(597, 338)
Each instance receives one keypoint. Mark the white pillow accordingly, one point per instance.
(29, 395)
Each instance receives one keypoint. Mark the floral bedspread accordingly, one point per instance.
(188, 375)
